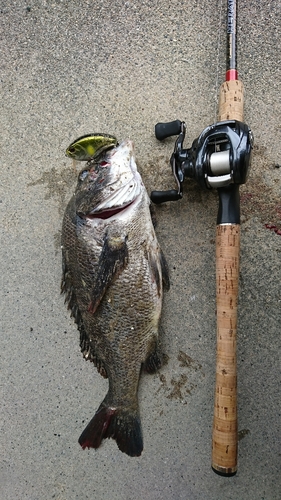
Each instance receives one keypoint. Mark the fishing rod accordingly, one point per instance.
(220, 158)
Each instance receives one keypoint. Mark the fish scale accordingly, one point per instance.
(113, 276)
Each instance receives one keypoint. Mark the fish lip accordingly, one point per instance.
(126, 143)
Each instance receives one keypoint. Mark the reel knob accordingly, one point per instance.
(161, 196)
(164, 130)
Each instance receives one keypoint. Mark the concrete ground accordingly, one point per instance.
(68, 68)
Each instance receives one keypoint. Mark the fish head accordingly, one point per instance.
(109, 185)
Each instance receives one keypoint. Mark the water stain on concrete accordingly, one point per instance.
(59, 185)
(178, 387)
(181, 384)
(187, 361)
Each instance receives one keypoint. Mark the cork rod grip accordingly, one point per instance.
(231, 101)
(224, 445)
(225, 428)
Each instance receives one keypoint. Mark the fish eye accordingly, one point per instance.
(83, 175)
(71, 149)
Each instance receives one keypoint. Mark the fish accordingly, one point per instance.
(114, 275)
(90, 146)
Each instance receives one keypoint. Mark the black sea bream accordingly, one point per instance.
(113, 276)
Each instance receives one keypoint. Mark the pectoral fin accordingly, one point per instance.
(113, 259)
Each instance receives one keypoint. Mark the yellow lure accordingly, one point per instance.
(90, 146)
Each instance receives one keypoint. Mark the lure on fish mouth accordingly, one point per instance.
(90, 146)
(114, 273)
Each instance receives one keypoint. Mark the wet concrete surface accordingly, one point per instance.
(70, 68)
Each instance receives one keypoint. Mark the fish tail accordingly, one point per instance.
(121, 424)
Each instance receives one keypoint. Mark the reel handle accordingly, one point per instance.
(168, 129)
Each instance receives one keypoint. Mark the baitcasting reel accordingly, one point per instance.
(218, 158)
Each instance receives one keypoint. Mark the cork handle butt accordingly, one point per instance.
(224, 442)
(231, 101)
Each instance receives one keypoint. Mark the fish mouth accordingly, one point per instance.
(109, 212)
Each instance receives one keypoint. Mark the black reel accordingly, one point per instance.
(218, 158)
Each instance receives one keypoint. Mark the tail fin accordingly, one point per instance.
(121, 424)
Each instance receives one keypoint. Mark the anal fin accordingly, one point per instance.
(153, 362)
